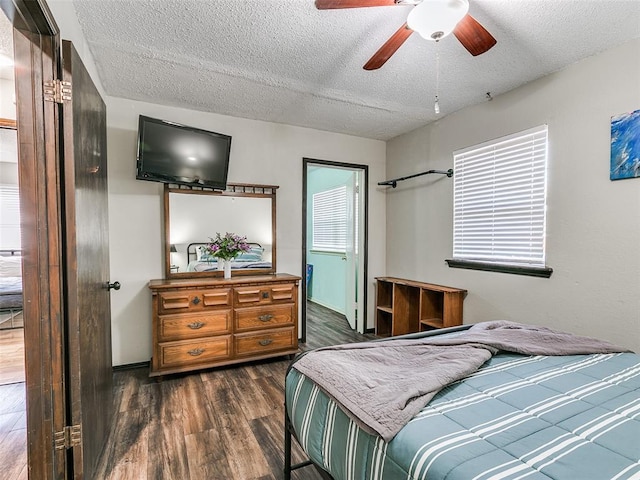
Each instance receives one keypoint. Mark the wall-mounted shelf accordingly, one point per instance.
(407, 306)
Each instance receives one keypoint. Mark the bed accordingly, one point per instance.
(518, 416)
(10, 289)
(198, 261)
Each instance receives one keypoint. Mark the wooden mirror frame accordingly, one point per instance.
(233, 190)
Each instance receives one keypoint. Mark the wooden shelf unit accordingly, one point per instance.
(407, 306)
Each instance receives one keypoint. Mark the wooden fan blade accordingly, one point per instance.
(331, 4)
(473, 36)
(389, 48)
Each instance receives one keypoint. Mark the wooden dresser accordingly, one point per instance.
(208, 322)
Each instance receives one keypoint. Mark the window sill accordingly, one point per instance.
(544, 272)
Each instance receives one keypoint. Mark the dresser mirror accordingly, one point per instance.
(193, 216)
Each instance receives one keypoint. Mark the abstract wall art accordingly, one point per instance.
(625, 146)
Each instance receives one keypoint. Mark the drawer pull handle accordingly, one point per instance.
(265, 318)
(265, 342)
(265, 294)
(196, 301)
(196, 325)
(196, 351)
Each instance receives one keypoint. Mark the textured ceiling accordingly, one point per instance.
(285, 61)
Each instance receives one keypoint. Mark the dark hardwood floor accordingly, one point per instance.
(222, 424)
(13, 433)
(11, 356)
(326, 327)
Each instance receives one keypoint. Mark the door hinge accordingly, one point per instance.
(68, 438)
(57, 91)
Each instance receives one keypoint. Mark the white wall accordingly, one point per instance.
(65, 16)
(8, 138)
(261, 152)
(593, 224)
(7, 99)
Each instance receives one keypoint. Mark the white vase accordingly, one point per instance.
(227, 269)
(220, 264)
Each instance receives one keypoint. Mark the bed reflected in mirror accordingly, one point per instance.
(193, 217)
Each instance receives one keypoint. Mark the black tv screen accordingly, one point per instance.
(173, 153)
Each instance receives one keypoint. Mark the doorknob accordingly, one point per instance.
(114, 285)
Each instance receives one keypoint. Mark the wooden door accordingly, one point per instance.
(86, 258)
(36, 56)
(67, 317)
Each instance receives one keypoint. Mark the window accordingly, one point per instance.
(330, 220)
(9, 217)
(9, 196)
(499, 204)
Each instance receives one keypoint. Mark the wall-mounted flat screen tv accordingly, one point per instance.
(173, 153)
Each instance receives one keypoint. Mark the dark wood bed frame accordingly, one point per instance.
(289, 432)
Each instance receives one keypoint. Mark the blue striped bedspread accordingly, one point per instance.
(518, 417)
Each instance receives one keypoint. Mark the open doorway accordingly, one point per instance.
(13, 441)
(334, 248)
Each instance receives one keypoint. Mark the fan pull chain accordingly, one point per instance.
(436, 105)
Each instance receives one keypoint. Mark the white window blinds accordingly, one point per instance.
(330, 220)
(9, 217)
(500, 199)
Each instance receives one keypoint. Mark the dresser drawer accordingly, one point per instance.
(194, 325)
(263, 342)
(265, 294)
(190, 352)
(193, 300)
(252, 318)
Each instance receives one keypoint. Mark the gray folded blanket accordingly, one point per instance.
(383, 385)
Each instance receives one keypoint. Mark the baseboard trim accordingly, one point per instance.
(130, 366)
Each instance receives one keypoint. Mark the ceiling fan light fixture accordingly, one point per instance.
(435, 19)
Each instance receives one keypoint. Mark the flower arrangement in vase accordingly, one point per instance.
(227, 248)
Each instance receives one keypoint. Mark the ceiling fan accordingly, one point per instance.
(432, 19)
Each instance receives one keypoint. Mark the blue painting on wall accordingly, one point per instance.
(625, 145)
